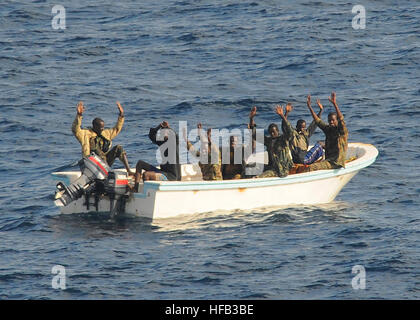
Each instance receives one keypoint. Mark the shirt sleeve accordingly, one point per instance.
(153, 133)
(321, 124)
(113, 132)
(342, 127)
(252, 143)
(76, 128)
(311, 128)
(287, 129)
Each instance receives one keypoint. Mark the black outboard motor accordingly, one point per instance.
(116, 188)
(93, 169)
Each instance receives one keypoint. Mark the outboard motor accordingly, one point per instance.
(97, 179)
(116, 187)
(93, 169)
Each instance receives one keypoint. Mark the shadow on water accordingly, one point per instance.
(102, 225)
(99, 225)
(336, 212)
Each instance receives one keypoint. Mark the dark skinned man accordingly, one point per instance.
(279, 160)
(170, 170)
(336, 137)
(210, 169)
(299, 142)
(98, 139)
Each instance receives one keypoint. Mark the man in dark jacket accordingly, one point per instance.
(170, 169)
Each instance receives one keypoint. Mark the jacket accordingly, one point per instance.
(84, 136)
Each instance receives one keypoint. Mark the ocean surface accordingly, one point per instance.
(209, 61)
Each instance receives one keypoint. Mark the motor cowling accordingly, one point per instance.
(93, 169)
(116, 183)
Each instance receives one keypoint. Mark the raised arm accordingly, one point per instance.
(113, 132)
(252, 116)
(120, 108)
(153, 133)
(252, 126)
(308, 103)
(285, 124)
(333, 100)
(341, 124)
(190, 146)
(312, 126)
(321, 124)
(76, 126)
(286, 127)
(321, 107)
(163, 125)
(289, 109)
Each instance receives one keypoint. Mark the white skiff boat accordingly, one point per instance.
(164, 199)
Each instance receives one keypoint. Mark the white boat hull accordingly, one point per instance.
(171, 198)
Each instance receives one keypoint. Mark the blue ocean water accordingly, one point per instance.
(209, 61)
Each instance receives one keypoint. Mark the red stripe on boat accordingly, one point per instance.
(122, 182)
(99, 164)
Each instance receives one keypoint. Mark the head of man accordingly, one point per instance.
(301, 125)
(332, 119)
(98, 125)
(273, 130)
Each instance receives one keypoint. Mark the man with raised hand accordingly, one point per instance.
(232, 170)
(98, 139)
(210, 169)
(299, 142)
(336, 137)
(279, 160)
(170, 169)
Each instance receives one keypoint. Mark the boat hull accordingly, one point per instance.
(168, 199)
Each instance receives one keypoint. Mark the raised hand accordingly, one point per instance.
(120, 108)
(164, 124)
(80, 108)
(253, 112)
(333, 99)
(318, 102)
(308, 100)
(289, 107)
(279, 110)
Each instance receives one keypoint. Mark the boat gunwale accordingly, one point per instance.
(356, 165)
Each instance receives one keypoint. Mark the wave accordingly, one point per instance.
(24, 225)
